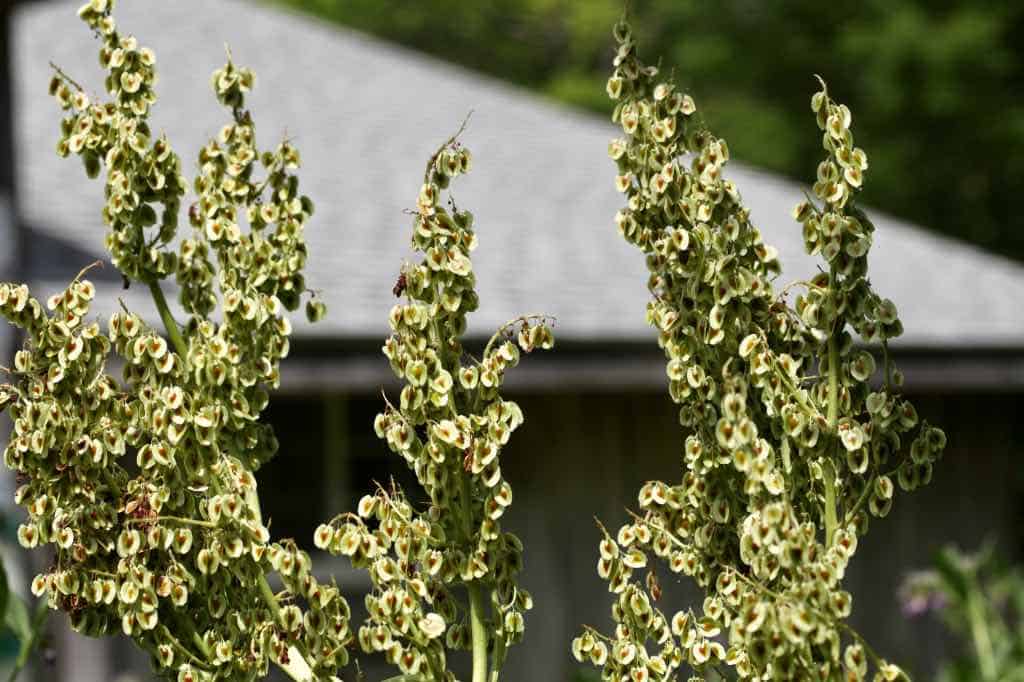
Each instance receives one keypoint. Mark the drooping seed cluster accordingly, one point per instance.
(449, 427)
(266, 261)
(170, 549)
(143, 173)
(789, 447)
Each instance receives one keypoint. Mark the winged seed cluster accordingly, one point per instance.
(449, 427)
(169, 548)
(790, 451)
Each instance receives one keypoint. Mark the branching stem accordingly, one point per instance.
(479, 633)
(477, 629)
(268, 596)
(185, 622)
(145, 520)
(66, 78)
(498, 659)
(503, 329)
(169, 324)
(450, 141)
(299, 669)
(829, 474)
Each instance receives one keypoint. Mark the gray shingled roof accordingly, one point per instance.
(366, 115)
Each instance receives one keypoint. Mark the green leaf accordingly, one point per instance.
(950, 566)
(29, 633)
(16, 618)
(5, 590)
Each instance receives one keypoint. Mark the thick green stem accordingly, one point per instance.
(184, 621)
(831, 522)
(828, 472)
(169, 324)
(833, 382)
(477, 627)
(478, 632)
(268, 596)
(498, 658)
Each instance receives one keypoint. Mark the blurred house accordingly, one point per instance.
(366, 115)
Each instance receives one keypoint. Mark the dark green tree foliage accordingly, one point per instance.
(937, 85)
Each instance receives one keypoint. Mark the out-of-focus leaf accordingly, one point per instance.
(949, 565)
(16, 618)
(5, 589)
(28, 632)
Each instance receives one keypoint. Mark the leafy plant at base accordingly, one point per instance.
(789, 448)
(449, 427)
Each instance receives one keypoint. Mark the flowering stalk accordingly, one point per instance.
(789, 447)
(449, 427)
(170, 326)
(173, 551)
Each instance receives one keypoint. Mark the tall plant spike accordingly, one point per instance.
(449, 427)
(172, 551)
(790, 449)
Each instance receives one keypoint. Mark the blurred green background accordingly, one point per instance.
(935, 86)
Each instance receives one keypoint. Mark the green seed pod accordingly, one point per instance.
(315, 310)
